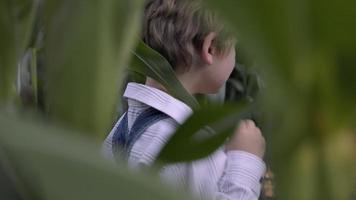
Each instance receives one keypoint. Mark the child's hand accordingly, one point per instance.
(247, 137)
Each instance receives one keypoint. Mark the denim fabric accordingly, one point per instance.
(124, 138)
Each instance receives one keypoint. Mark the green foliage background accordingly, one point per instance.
(49, 149)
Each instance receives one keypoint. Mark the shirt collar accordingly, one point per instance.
(159, 100)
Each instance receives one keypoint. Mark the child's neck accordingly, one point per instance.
(186, 84)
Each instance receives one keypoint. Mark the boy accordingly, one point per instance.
(193, 41)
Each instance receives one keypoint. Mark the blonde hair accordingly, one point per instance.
(177, 28)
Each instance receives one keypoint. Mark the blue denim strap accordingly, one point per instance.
(120, 135)
(124, 139)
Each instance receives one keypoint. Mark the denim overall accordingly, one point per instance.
(124, 138)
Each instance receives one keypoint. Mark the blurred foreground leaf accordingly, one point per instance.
(55, 165)
(303, 50)
(87, 47)
(16, 21)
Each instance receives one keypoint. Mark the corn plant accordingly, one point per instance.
(62, 64)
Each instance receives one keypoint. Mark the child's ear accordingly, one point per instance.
(208, 50)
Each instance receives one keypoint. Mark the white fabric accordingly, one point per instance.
(233, 175)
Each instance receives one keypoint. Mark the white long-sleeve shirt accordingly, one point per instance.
(234, 175)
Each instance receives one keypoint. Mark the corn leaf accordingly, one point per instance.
(53, 163)
(202, 133)
(148, 62)
(16, 24)
(87, 47)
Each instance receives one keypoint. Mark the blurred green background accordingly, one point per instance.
(63, 62)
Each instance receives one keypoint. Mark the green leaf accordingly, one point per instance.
(16, 24)
(53, 163)
(8, 188)
(306, 52)
(87, 47)
(203, 132)
(147, 61)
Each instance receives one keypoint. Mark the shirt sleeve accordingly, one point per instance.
(241, 178)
